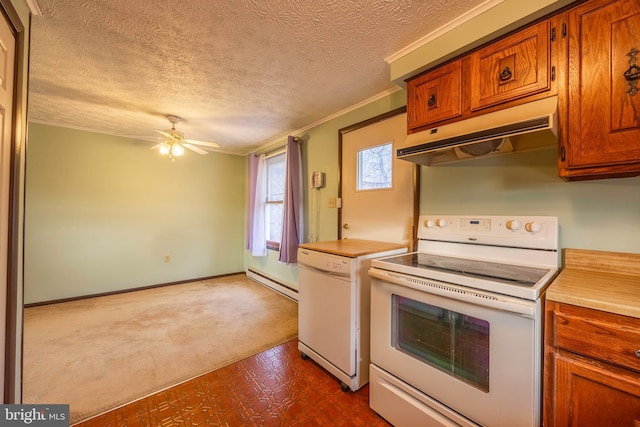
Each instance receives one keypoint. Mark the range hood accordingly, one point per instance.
(525, 127)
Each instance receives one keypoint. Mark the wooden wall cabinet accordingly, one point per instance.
(592, 367)
(512, 70)
(603, 104)
(589, 55)
(435, 96)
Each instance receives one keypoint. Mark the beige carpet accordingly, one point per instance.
(99, 353)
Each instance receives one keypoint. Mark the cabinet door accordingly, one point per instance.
(604, 91)
(435, 96)
(512, 68)
(593, 395)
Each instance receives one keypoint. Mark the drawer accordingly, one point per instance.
(604, 336)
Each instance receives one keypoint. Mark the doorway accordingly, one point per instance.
(379, 193)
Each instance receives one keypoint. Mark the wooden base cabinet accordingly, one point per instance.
(592, 394)
(592, 368)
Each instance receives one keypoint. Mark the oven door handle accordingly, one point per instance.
(517, 306)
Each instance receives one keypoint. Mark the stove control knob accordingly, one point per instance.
(441, 222)
(533, 227)
(513, 225)
(429, 223)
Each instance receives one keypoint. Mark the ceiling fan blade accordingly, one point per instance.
(165, 134)
(205, 143)
(194, 148)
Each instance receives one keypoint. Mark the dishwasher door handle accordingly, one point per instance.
(345, 276)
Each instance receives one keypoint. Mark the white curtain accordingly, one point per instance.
(259, 237)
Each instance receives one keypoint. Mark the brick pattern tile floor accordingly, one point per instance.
(272, 388)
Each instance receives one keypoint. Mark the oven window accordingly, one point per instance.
(452, 342)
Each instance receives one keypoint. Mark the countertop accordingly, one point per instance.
(606, 281)
(352, 248)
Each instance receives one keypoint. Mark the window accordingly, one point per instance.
(455, 343)
(276, 171)
(375, 169)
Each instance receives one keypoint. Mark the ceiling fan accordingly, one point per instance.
(175, 142)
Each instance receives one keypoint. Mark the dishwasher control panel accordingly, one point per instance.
(327, 263)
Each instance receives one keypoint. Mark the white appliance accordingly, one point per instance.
(333, 313)
(490, 134)
(456, 327)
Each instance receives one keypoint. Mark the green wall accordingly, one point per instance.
(102, 212)
(599, 215)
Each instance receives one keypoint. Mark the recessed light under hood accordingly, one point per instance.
(525, 127)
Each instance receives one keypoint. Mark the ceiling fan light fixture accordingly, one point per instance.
(175, 143)
(165, 148)
(177, 149)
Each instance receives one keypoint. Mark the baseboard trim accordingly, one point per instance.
(285, 290)
(124, 291)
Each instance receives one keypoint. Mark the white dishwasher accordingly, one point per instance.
(334, 305)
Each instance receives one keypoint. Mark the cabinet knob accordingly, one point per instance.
(505, 74)
(637, 353)
(432, 100)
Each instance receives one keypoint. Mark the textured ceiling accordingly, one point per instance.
(241, 73)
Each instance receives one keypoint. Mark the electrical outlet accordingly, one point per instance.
(167, 258)
(332, 202)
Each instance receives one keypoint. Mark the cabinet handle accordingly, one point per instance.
(633, 73)
(505, 74)
(432, 100)
(637, 353)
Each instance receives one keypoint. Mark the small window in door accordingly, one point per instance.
(375, 170)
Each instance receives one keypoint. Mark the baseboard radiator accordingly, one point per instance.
(285, 290)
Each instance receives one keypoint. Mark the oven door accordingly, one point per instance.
(476, 353)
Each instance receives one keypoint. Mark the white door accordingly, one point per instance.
(377, 190)
(7, 61)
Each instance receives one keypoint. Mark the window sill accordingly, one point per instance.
(274, 246)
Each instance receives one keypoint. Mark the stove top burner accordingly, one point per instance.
(504, 273)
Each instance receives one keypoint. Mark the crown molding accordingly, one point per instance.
(462, 19)
(277, 142)
(34, 8)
